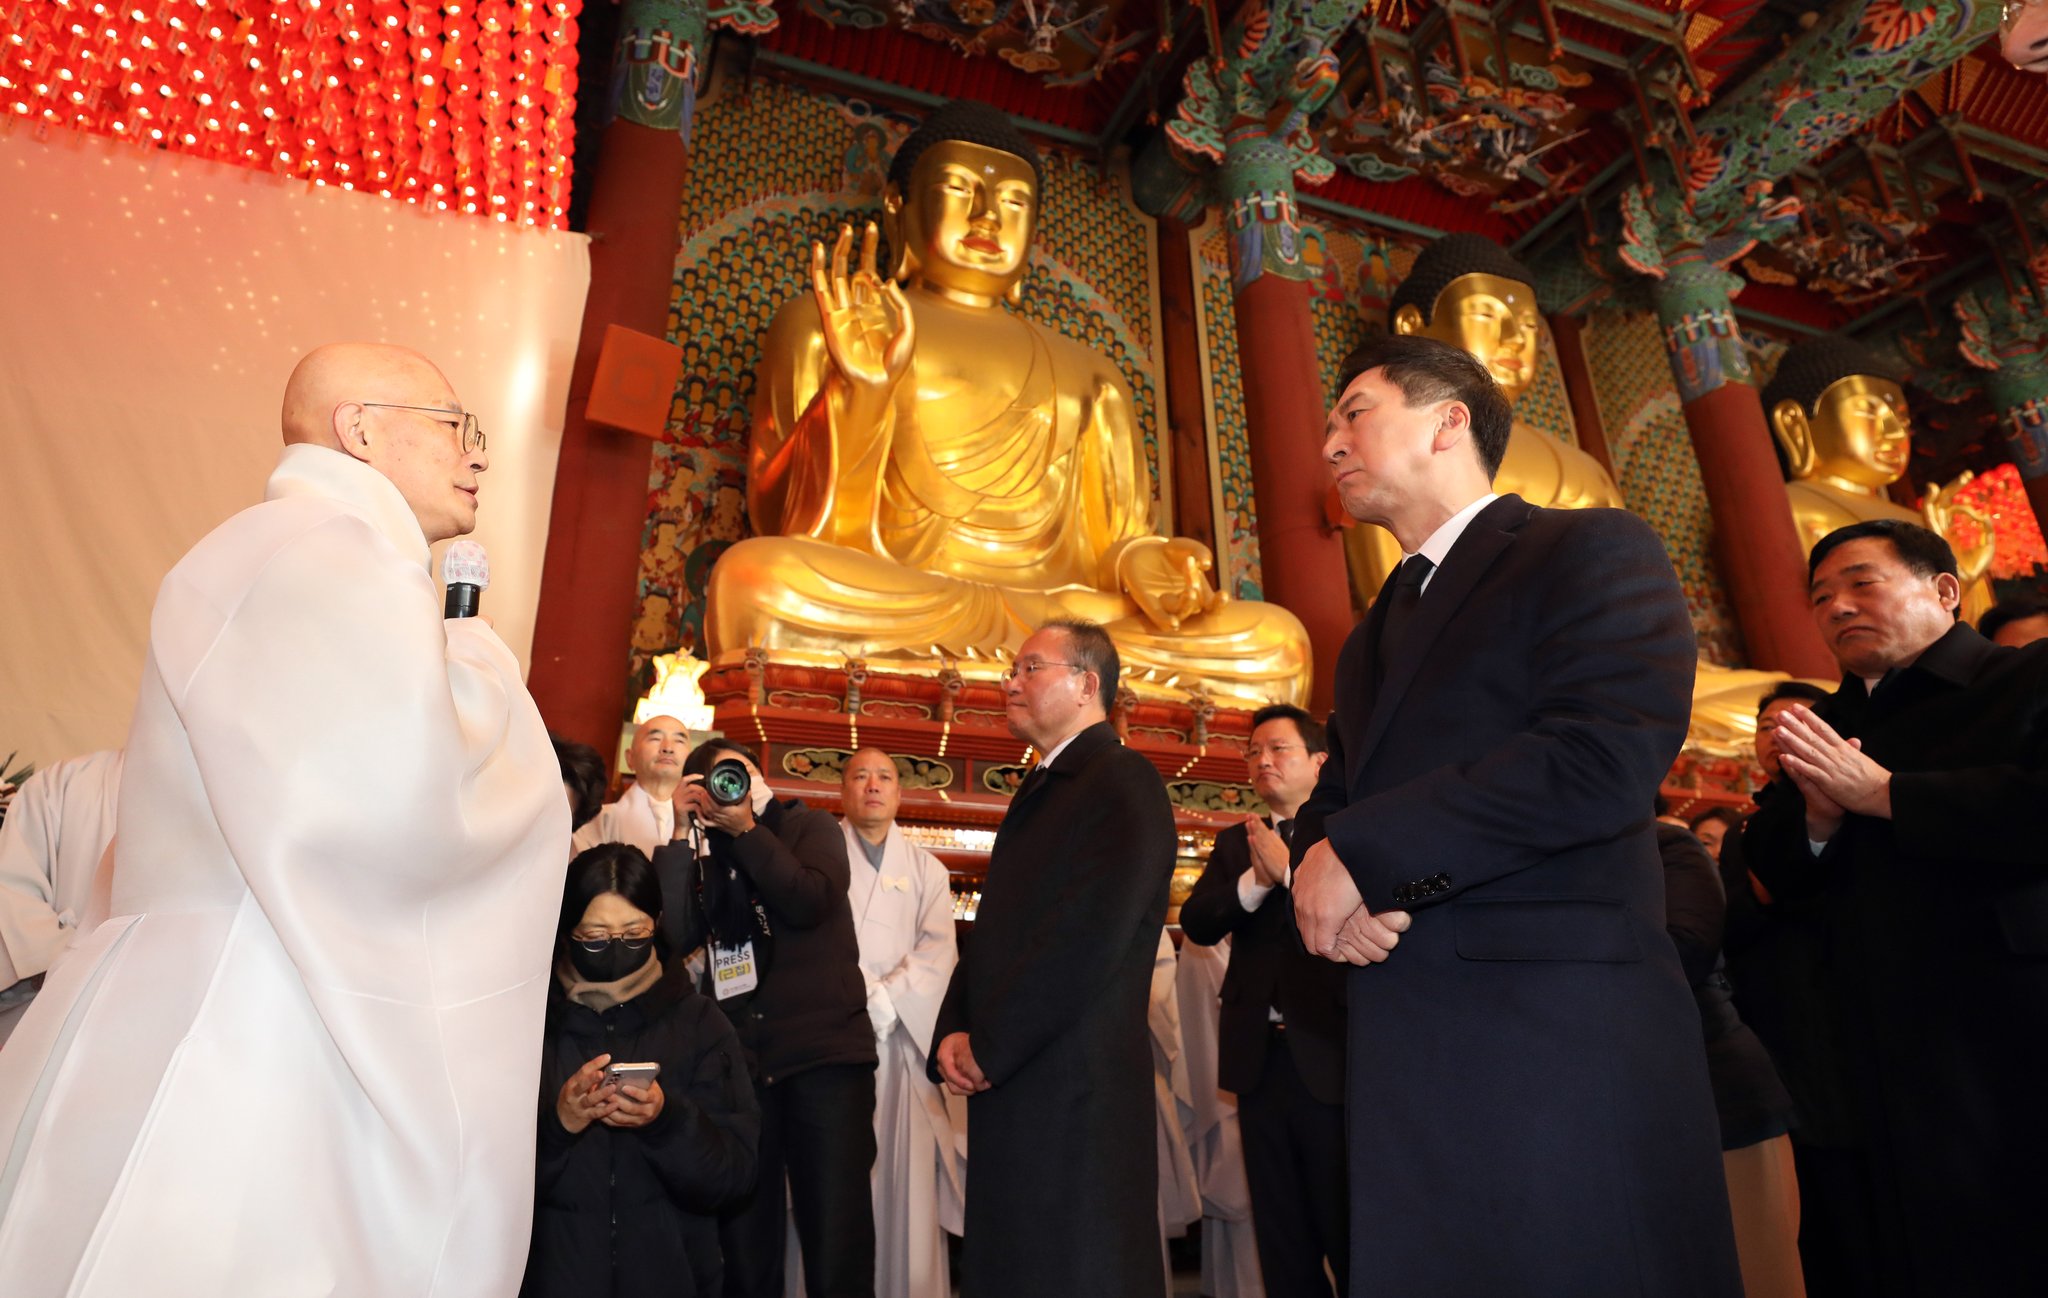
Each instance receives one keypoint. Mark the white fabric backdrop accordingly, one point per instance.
(153, 307)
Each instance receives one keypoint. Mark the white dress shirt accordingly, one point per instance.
(1439, 544)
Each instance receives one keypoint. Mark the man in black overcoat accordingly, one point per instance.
(1914, 805)
(1043, 1025)
(1527, 1092)
(1280, 1036)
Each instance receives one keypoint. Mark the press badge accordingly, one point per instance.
(732, 969)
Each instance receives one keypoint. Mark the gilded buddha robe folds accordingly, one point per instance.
(1004, 483)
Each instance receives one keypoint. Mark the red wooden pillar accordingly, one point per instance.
(1761, 556)
(589, 585)
(1194, 513)
(1301, 558)
(1565, 331)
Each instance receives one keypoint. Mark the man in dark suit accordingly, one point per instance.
(1043, 1024)
(1280, 1045)
(1914, 806)
(1526, 1085)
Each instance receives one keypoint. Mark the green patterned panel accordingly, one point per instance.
(1238, 543)
(1545, 407)
(1659, 475)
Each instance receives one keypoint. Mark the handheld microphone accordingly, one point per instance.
(468, 572)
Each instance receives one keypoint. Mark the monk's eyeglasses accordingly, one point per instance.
(472, 432)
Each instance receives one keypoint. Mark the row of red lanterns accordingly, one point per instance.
(461, 105)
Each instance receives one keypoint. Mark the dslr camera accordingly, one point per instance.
(729, 782)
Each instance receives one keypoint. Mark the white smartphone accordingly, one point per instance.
(637, 1076)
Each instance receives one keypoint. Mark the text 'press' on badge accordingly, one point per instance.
(732, 970)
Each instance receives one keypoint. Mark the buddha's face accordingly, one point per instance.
(967, 218)
(1859, 431)
(1493, 318)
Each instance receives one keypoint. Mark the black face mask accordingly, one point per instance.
(611, 959)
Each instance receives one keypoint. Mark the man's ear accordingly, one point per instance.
(1949, 590)
(1455, 426)
(349, 433)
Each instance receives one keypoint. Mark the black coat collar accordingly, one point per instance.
(1086, 744)
(1957, 657)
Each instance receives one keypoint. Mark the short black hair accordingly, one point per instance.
(1797, 691)
(1810, 367)
(1728, 816)
(1923, 552)
(705, 755)
(1449, 258)
(2007, 611)
(1427, 370)
(1314, 736)
(583, 772)
(609, 867)
(975, 123)
(1094, 651)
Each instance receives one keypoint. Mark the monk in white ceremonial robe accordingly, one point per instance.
(645, 813)
(1230, 1254)
(1180, 1196)
(57, 827)
(902, 901)
(300, 1055)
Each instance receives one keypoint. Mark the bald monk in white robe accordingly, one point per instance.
(902, 901)
(645, 814)
(299, 1057)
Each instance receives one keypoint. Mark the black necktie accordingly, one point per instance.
(1402, 602)
(1284, 828)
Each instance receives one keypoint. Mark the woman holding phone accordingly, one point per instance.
(648, 1122)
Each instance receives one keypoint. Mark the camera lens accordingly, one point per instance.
(729, 782)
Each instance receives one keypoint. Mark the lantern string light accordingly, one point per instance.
(405, 100)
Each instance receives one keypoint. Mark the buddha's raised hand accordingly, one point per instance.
(865, 319)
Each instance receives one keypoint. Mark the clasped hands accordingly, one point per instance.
(589, 1096)
(1833, 774)
(1332, 916)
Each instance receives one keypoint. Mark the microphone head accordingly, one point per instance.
(465, 564)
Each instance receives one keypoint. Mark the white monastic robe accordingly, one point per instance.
(301, 1055)
(903, 914)
(635, 818)
(1180, 1199)
(1230, 1253)
(58, 825)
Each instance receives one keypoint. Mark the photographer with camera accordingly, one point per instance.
(760, 884)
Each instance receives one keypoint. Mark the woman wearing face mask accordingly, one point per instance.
(630, 1178)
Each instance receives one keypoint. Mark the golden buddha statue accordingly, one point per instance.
(933, 475)
(1465, 290)
(1845, 435)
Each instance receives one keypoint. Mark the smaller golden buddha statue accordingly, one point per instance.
(932, 475)
(1466, 290)
(1845, 435)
